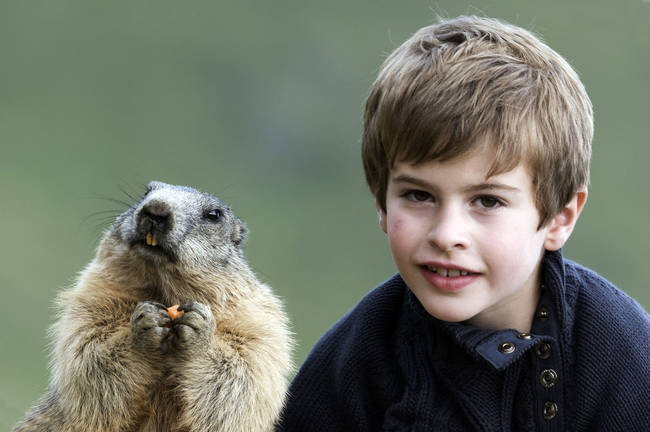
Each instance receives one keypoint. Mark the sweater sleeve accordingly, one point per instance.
(350, 376)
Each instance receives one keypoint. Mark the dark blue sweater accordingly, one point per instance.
(389, 366)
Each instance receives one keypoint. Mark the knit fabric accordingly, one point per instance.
(389, 366)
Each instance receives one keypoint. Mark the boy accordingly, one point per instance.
(476, 146)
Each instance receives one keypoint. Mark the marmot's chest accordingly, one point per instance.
(161, 412)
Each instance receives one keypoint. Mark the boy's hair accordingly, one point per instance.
(453, 84)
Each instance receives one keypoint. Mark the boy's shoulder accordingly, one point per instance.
(350, 376)
(600, 306)
(610, 344)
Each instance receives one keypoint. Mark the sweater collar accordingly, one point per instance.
(501, 348)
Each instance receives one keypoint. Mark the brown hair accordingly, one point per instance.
(468, 78)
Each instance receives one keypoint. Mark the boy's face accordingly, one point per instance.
(466, 245)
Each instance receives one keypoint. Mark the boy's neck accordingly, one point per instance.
(519, 318)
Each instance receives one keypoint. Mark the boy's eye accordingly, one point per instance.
(417, 195)
(489, 201)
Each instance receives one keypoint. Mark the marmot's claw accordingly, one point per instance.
(159, 305)
(148, 325)
(193, 306)
(194, 327)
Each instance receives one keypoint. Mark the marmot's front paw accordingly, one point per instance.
(194, 328)
(148, 326)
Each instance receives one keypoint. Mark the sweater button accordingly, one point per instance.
(550, 410)
(542, 314)
(507, 348)
(524, 336)
(548, 378)
(543, 350)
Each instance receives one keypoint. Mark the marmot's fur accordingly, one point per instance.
(117, 366)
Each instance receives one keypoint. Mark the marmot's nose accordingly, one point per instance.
(155, 215)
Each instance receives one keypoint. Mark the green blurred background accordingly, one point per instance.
(260, 103)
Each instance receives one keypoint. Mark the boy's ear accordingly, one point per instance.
(561, 226)
(382, 217)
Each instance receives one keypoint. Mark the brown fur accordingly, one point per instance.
(105, 379)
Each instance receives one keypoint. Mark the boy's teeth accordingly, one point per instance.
(447, 272)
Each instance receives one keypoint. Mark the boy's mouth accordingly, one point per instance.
(448, 279)
(447, 270)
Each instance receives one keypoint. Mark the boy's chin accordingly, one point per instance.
(448, 314)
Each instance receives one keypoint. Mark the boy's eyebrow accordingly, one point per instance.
(404, 178)
(490, 186)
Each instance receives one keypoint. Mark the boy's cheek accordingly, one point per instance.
(400, 230)
(395, 226)
(392, 227)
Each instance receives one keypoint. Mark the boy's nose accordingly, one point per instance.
(449, 231)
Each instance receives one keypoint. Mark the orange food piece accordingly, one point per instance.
(173, 313)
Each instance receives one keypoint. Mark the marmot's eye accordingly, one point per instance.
(214, 215)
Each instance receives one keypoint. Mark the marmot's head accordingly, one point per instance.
(176, 227)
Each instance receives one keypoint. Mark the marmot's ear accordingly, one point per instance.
(239, 232)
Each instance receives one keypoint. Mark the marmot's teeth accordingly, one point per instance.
(149, 239)
(154, 242)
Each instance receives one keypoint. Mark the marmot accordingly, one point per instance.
(118, 363)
